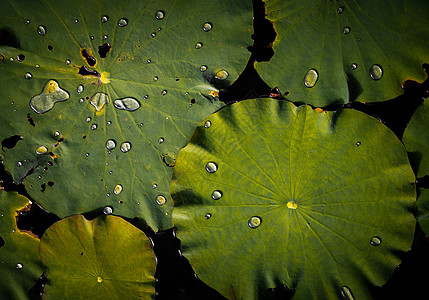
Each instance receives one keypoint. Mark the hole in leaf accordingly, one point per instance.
(10, 142)
(90, 60)
(43, 187)
(50, 48)
(31, 120)
(84, 71)
(1, 242)
(104, 49)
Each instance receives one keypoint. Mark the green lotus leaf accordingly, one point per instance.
(106, 93)
(20, 266)
(416, 140)
(319, 201)
(106, 258)
(334, 52)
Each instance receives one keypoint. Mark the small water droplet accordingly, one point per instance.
(118, 189)
(164, 92)
(222, 75)
(108, 195)
(109, 123)
(375, 241)
(125, 147)
(81, 100)
(87, 154)
(160, 15)
(340, 9)
(105, 37)
(216, 195)
(161, 200)
(28, 75)
(129, 104)
(207, 26)
(40, 176)
(19, 164)
(104, 19)
(154, 185)
(146, 96)
(153, 34)
(346, 293)
(27, 22)
(41, 150)
(354, 66)
(207, 124)
(88, 119)
(198, 45)
(19, 266)
(110, 172)
(161, 140)
(203, 68)
(155, 78)
(68, 61)
(94, 126)
(346, 30)
(254, 222)
(108, 210)
(141, 125)
(37, 66)
(41, 30)
(376, 72)
(91, 37)
(20, 57)
(123, 22)
(208, 216)
(358, 144)
(80, 88)
(148, 61)
(211, 167)
(310, 78)
(76, 21)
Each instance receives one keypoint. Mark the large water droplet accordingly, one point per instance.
(254, 222)
(41, 150)
(110, 144)
(50, 94)
(160, 15)
(375, 241)
(99, 100)
(108, 210)
(41, 30)
(207, 124)
(80, 88)
(28, 75)
(161, 200)
(129, 104)
(207, 26)
(117, 189)
(376, 72)
(216, 195)
(104, 19)
(310, 78)
(19, 266)
(125, 147)
(123, 22)
(346, 293)
(222, 75)
(346, 30)
(211, 167)
(198, 45)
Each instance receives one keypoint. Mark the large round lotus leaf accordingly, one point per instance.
(19, 261)
(119, 121)
(107, 258)
(416, 140)
(268, 193)
(351, 50)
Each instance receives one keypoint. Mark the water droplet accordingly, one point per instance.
(164, 92)
(222, 75)
(88, 119)
(160, 15)
(99, 279)
(27, 22)
(340, 9)
(129, 104)
(153, 34)
(80, 88)
(254, 222)
(56, 133)
(346, 30)
(141, 125)
(198, 45)
(81, 100)
(50, 94)
(207, 124)
(28, 75)
(148, 61)
(99, 100)
(376, 72)
(105, 37)
(19, 164)
(216, 195)
(93, 126)
(125, 147)
(37, 66)
(358, 144)
(110, 144)
(154, 186)
(310, 78)
(161, 140)
(20, 57)
(41, 150)
(123, 22)
(68, 61)
(161, 200)
(76, 21)
(109, 123)
(40, 176)
(292, 204)
(104, 19)
(208, 216)
(41, 30)
(211, 167)
(86, 154)
(108, 195)
(19, 266)
(375, 241)
(118, 189)
(354, 66)
(203, 68)
(346, 293)
(207, 26)
(110, 172)
(91, 37)
(107, 211)
(155, 78)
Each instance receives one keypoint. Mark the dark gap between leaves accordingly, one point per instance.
(35, 219)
